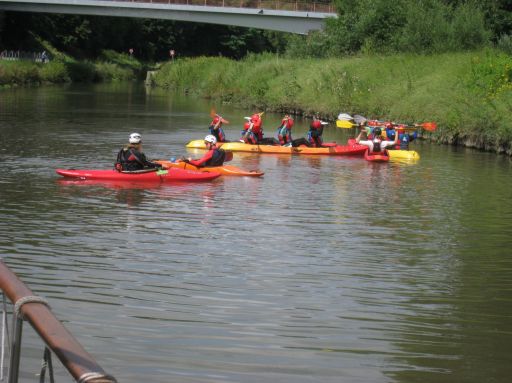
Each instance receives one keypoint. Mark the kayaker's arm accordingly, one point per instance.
(202, 160)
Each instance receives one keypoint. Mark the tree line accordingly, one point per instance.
(362, 27)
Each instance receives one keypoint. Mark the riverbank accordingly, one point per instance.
(61, 68)
(469, 95)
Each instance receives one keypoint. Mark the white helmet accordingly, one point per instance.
(211, 139)
(135, 138)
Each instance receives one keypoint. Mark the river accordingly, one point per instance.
(327, 269)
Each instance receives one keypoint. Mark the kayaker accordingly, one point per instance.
(316, 129)
(248, 136)
(216, 128)
(253, 131)
(131, 157)
(213, 157)
(389, 131)
(284, 132)
(405, 138)
(376, 144)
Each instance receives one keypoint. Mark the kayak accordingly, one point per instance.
(226, 170)
(376, 157)
(403, 155)
(396, 154)
(329, 149)
(155, 176)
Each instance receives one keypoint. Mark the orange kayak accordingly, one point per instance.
(226, 170)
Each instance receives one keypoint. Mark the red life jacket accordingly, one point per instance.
(316, 124)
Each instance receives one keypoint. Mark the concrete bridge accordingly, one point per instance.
(287, 16)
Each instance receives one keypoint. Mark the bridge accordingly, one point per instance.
(286, 16)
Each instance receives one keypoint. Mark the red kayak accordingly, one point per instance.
(376, 157)
(150, 175)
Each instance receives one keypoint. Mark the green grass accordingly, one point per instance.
(469, 94)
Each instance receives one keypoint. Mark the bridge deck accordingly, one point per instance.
(287, 16)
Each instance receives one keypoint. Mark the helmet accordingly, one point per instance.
(377, 132)
(388, 125)
(135, 138)
(211, 139)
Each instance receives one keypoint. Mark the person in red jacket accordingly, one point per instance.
(253, 132)
(315, 132)
(216, 128)
(213, 157)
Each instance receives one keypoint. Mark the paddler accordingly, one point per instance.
(131, 157)
(376, 144)
(252, 133)
(316, 129)
(216, 128)
(405, 138)
(213, 157)
(284, 132)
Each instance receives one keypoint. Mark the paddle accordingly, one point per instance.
(345, 124)
(430, 126)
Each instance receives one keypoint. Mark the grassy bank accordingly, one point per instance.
(469, 95)
(61, 68)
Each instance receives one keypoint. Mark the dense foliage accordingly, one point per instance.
(408, 26)
(362, 26)
(86, 37)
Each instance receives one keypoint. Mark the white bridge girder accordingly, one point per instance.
(285, 21)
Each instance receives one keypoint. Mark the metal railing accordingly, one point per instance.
(82, 367)
(10, 55)
(281, 5)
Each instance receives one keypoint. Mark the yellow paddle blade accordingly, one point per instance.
(344, 124)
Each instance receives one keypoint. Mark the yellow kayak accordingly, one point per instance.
(402, 155)
(410, 155)
(332, 149)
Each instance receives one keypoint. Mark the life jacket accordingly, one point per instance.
(376, 146)
(215, 120)
(288, 123)
(128, 160)
(404, 141)
(256, 124)
(217, 159)
(316, 124)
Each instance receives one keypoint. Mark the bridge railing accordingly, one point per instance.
(10, 55)
(281, 5)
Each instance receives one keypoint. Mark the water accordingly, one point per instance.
(327, 269)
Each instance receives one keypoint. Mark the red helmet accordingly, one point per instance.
(388, 125)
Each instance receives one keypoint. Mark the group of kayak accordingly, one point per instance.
(375, 142)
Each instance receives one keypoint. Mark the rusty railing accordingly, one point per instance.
(82, 367)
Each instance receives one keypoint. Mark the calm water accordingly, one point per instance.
(325, 270)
